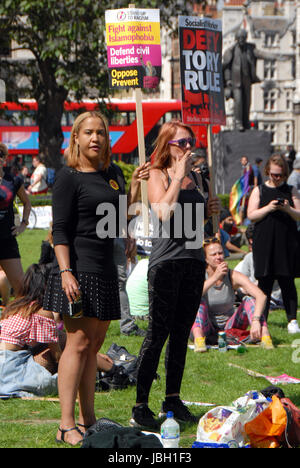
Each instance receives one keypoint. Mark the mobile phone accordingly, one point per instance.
(280, 201)
(75, 309)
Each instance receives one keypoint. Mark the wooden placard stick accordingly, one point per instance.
(142, 158)
(215, 218)
(142, 153)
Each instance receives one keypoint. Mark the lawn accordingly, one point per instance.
(208, 378)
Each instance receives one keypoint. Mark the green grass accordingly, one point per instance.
(207, 378)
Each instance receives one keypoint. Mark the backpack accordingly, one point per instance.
(122, 357)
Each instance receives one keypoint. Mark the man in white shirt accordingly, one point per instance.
(38, 180)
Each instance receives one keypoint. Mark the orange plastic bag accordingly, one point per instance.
(265, 430)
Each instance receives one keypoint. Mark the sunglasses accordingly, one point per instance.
(276, 176)
(2, 155)
(211, 240)
(183, 142)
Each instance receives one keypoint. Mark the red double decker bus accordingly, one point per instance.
(19, 132)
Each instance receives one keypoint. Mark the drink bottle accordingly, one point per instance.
(170, 432)
(222, 342)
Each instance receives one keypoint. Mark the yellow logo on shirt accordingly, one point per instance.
(114, 184)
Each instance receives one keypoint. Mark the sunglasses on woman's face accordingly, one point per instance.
(183, 142)
(276, 176)
(2, 155)
(211, 240)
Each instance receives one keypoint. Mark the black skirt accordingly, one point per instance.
(100, 296)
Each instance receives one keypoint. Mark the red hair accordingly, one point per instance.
(161, 153)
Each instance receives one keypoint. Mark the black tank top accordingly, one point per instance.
(177, 239)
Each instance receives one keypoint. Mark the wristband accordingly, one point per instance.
(256, 318)
(66, 269)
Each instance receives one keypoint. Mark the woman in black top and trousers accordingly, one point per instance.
(85, 267)
(274, 207)
(176, 268)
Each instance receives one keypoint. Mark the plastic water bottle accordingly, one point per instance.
(222, 342)
(170, 432)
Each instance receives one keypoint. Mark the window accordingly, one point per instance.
(270, 40)
(269, 69)
(288, 134)
(288, 100)
(271, 128)
(270, 101)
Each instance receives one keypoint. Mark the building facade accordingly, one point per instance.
(274, 28)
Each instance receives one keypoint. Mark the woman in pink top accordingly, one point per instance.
(26, 331)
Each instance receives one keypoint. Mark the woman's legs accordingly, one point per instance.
(88, 379)
(288, 290)
(162, 302)
(289, 296)
(243, 316)
(202, 326)
(14, 272)
(77, 371)
(189, 297)
(4, 288)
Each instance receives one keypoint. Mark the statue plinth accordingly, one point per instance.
(228, 148)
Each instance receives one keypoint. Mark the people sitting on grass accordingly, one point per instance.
(217, 311)
(29, 344)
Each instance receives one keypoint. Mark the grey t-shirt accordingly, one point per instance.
(220, 300)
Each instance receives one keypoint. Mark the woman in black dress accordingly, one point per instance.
(274, 207)
(85, 268)
(10, 187)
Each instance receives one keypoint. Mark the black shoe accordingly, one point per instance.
(180, 411)
(115, 379)
(143, 417)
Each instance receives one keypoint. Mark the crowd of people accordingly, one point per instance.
(53, 329)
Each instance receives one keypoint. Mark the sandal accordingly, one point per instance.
(63, 431)
(85, 426)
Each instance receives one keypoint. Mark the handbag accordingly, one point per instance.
(291, 436)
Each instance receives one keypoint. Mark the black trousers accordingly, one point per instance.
(175, 289)
(288, 290)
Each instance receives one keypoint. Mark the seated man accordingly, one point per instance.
(216, 311)
(228, 224)
(231, 238)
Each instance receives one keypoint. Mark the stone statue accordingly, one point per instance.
(239, 73)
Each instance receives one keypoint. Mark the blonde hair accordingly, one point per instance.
(73, 154)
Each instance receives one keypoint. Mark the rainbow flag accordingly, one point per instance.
(237, 197)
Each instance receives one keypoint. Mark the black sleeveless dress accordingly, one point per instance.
(275, 239)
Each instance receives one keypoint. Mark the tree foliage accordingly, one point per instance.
(68, 55)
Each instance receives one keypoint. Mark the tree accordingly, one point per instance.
(67, 43)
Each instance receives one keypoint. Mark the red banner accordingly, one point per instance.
(201, 71)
